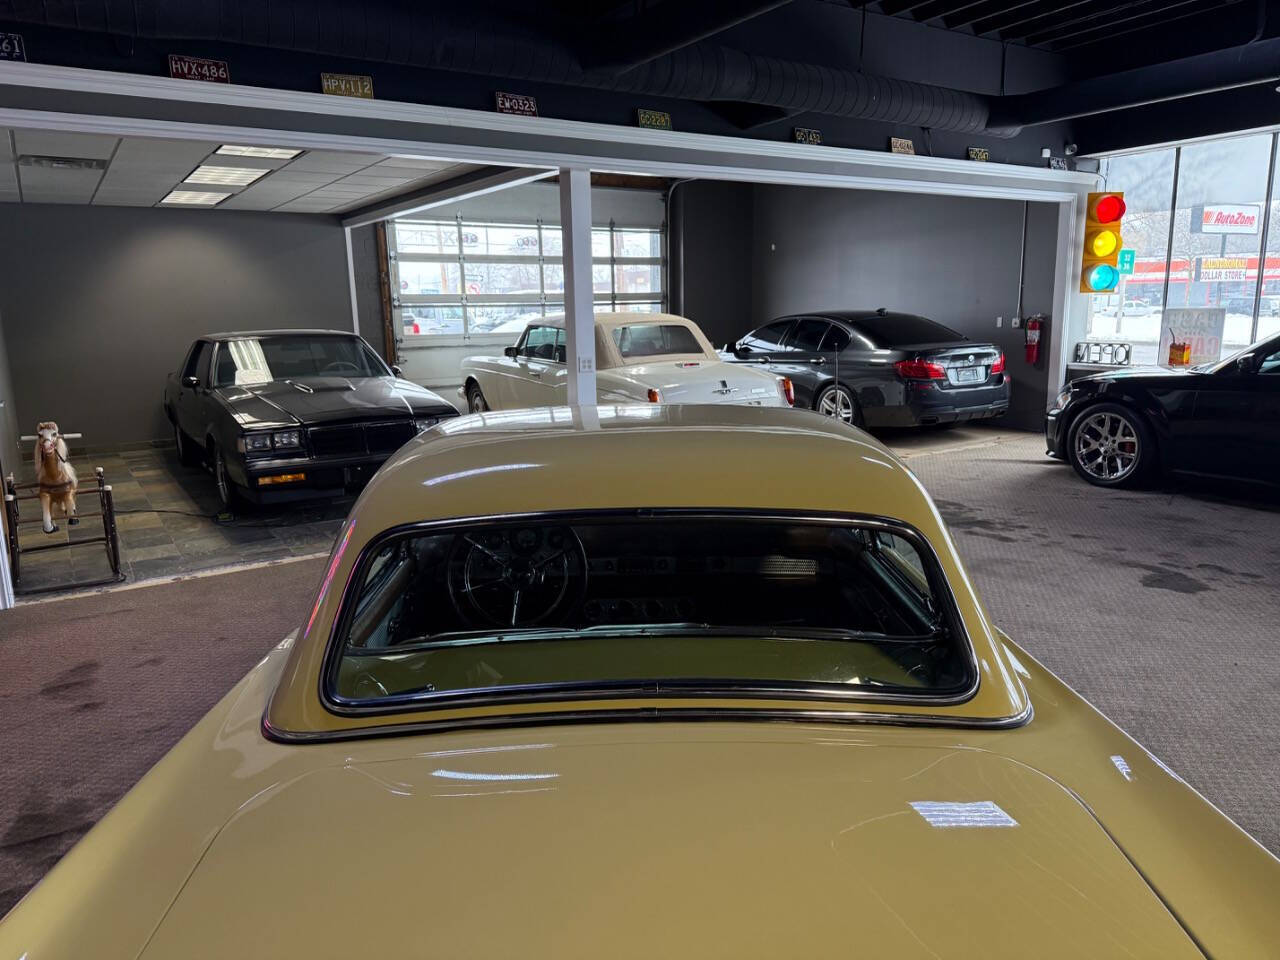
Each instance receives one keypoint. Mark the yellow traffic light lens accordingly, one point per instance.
(1104, 243)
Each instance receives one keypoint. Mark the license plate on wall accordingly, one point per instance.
(11, 47)
(969, 375)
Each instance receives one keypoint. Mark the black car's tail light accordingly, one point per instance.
(920, 370)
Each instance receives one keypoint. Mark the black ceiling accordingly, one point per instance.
(1015, 75)
(1067, 25)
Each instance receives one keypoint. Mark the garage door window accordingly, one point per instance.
(463, 279)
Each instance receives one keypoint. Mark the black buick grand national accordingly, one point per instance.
(281, 414)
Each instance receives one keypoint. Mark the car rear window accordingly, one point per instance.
(646, 603)
(904, 330)
(654, 339)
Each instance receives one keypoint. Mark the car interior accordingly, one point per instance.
(612, 600)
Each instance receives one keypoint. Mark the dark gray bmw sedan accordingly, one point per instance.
(875, 368)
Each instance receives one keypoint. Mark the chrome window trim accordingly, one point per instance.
(692, 688)
(647, 715)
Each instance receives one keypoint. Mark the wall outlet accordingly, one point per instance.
(586, 364)
(1016, 322)
(999, 322)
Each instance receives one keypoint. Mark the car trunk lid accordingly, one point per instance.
(689, 841)
(689, 380)
(963, 364)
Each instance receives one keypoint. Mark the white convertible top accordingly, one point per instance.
(607, 353)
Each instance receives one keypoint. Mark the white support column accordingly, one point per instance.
(579, 313)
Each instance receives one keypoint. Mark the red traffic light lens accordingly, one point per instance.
(1108, 209)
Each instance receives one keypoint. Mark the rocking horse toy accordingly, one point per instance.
(55, 476)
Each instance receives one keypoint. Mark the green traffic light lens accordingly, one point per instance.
(1103, 277)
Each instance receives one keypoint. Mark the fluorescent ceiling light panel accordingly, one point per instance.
(274, 153)
(195, 198)
(226, 176)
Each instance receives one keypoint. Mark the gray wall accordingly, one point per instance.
(955, 259)
(100, 303)
(710, 240)
(9, 432)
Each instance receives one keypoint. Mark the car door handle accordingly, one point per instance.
(535, 375)
(818, 361)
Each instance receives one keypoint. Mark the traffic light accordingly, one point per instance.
(1100, 271)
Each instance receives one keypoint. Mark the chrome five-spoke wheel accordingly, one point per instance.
(1111, 446)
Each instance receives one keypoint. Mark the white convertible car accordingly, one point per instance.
(640, 357)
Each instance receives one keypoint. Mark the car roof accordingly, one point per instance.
(254, 334)
(620, 319)
(852, 316)
(634, 457)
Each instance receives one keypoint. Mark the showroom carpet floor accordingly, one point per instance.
(95, 689)
(167, 515)
(1159, 607)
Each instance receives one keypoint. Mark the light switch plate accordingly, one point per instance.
(999, 321)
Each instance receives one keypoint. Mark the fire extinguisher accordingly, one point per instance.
(1033, 327)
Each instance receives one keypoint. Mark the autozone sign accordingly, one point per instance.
(1233, 218)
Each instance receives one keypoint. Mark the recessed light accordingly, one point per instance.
(274, 153)
(195, 198)
(226, 176)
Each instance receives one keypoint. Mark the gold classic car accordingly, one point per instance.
(609, 683)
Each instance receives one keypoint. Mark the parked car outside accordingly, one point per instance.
(876, 368)
(1267, 306)
(288, 414)
(1132, 308)
(640, 358)
(1222, 419)
(614, 684)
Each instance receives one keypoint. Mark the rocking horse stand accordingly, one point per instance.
(15, 492)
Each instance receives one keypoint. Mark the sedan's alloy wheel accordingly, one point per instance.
(1107, 446)
(476, 401)
(836, 402)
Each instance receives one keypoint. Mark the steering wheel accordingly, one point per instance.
(517, 576)
(340, 363)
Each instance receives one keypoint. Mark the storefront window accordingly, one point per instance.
(1217, 230)
(1212, 263)
(1132, 314)
(1269, 305)
(459, 278)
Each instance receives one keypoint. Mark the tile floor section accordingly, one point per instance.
(167, 518)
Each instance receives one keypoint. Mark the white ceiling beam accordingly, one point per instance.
(474, 184)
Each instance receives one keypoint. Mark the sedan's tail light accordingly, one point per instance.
(920, 370)
(654, 396)
(788, 391)
(998, 366)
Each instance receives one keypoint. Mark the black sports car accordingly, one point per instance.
(1220, 420)
(284, 414)
(874, 368)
